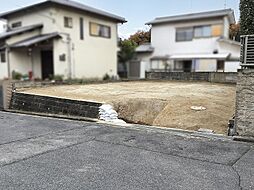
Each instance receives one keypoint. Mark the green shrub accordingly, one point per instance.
(106, 77)
(58, 78)
(16, 75)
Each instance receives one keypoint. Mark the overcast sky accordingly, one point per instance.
(138, 12)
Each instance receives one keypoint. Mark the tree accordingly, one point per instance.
(246, 17)
(126, 53)
(141, 37)
(234, 32)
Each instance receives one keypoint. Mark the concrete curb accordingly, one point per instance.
(244, 139)
(76, 118)
(175, 131)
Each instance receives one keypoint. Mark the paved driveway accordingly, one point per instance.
(43, 153)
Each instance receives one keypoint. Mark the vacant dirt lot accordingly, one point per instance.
(166, 104)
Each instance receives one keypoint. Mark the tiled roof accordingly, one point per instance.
(67, 3)
(195, 16)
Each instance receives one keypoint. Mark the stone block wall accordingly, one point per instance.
(244, 121)
(52, 105)
(178, 76)
(194, 76)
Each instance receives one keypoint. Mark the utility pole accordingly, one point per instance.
(225, 4)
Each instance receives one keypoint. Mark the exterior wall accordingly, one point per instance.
(233, 49)
(206, 65)
(23, 63)
(226, 27)
(20, 61)
(3, 70)
(91, 57)
(2, 26)
(232, 66)
(244, 119)
(164, 39)
(43, 16)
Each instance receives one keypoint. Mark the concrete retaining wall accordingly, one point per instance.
(194, 76)
(244, 121)
(1, 96)
(52, 105)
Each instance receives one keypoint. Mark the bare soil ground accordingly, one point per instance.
(165, 104)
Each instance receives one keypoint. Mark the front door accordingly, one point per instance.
(47, 65)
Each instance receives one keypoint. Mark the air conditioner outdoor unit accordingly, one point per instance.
(247, 51)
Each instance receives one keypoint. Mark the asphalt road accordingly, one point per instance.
(45, 153)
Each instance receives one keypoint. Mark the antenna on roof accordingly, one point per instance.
(225, 4)
(191, 6)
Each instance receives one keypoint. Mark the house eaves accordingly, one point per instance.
(195, 16)
(19, 31)
(35, 40)
(68, 4)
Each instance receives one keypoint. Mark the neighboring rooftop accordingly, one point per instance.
(145, 48)
(66, 3)
(195, 16)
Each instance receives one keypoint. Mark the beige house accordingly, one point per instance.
(59, 37)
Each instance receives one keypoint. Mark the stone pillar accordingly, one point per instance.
(244, 118)
(7, 93)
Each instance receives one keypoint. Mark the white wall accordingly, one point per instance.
(20, 61)
(2, 26)
(164, 39)
(3, 70)
(44, 16)
(91, 57)
(233, 49)
(206, 65)
(232, 66)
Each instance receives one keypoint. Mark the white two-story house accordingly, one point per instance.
(59, 37)
(196, 42)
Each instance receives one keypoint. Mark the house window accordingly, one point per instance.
(220, 66)
(202, 31)
(68, 22)
(16, 24)
(100, 30)
(3, 57)
(81, 25)
(184, 34)
(217, 30)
